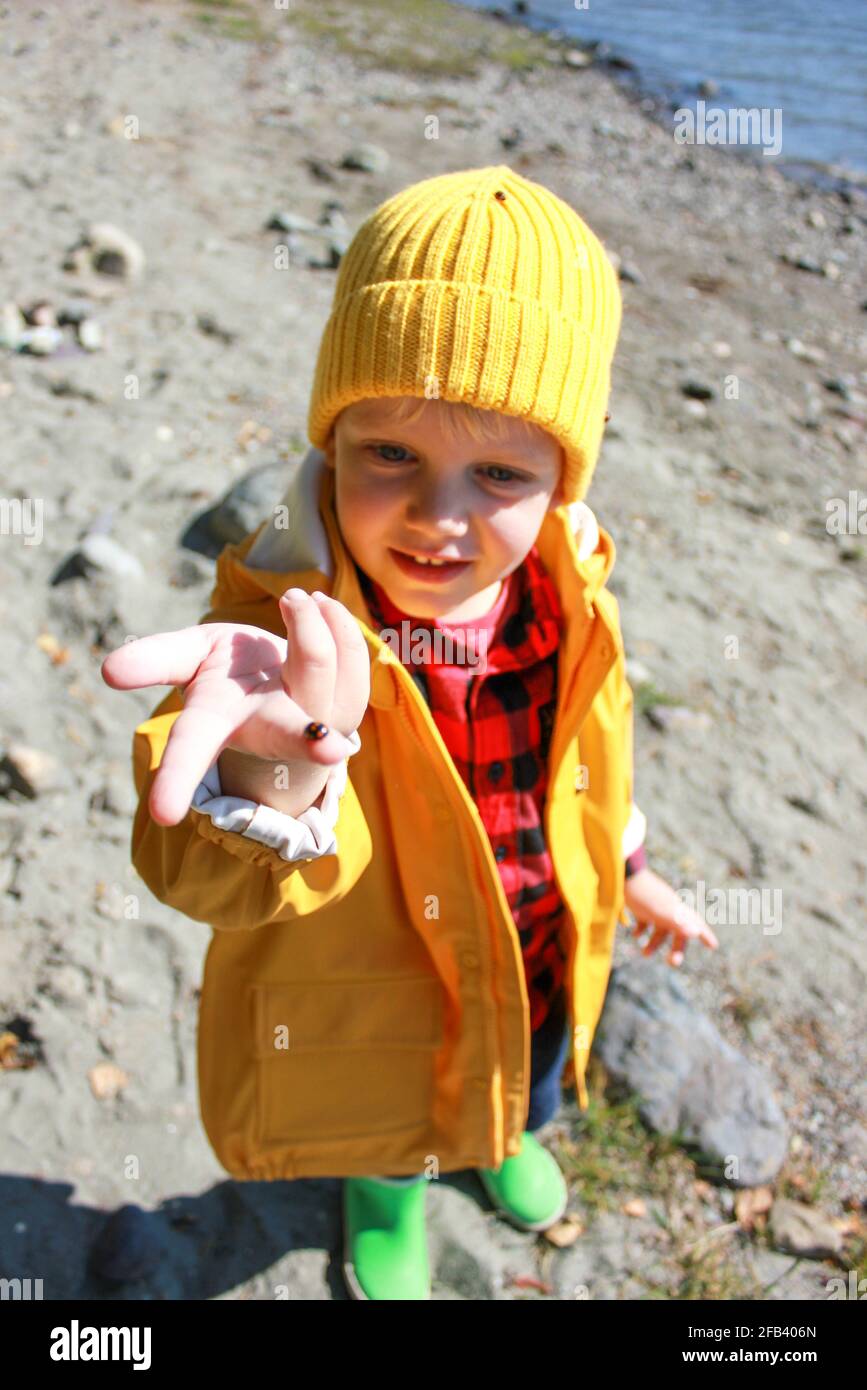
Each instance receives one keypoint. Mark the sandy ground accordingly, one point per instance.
(719, 518)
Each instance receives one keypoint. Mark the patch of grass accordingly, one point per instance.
(316, 26)
(646, 694)
(803, 1182)
(429, 101)
(426, 38)
(707, 1273)
(613, 1156)
(857, 1252)
(520, 57)
(744, 1005)
(610, 1157)
(229, 19)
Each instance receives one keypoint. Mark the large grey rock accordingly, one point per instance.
(653, 1042)
(239, 511)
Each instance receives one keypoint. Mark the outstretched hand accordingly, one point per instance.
(247, 689)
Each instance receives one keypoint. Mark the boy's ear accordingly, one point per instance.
(328, 449)
(557, 496)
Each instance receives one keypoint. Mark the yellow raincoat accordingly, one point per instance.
(366, 1012)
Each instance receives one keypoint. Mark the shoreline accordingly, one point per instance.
(658, 103)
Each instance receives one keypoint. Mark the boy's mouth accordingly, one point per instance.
(433, 573)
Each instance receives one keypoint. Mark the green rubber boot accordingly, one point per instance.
(385, 1252)
(528, 1188)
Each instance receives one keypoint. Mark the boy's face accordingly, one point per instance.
(404, 489)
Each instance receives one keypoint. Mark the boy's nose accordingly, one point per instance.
(439, 508)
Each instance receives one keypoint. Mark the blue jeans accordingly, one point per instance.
(549, 1048)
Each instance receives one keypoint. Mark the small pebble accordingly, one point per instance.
(370, 159)
(90, 335)
(41, 341)
(698, 390)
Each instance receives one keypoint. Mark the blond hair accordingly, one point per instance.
(460, 418)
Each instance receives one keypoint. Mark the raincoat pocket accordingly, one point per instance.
(345, 1058)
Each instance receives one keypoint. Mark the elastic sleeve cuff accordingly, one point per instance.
(636, 829)
(308, 836)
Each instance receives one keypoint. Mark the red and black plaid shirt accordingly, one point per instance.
(495, 716)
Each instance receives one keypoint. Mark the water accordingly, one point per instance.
(808, 59)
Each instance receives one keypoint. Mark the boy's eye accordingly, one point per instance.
(498, 468)
(397, 448)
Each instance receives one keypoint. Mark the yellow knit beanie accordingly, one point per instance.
(478, 286)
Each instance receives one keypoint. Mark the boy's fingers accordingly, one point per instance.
(310, 668)
(195, 740)
(656, 940)
(352, 681)
(165, 658)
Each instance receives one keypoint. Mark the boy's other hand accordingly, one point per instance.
(654, 903)
(250, 690)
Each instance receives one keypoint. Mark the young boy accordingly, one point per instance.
(405, 957)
